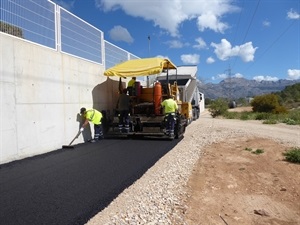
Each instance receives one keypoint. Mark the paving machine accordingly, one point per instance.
(146, 114)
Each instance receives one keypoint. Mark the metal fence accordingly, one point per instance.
(45, 23)
(30, 20)
(115, 55)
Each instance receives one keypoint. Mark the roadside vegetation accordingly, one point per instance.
(256, 152)
(280, 107)
(293, 155)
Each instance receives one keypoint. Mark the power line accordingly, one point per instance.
(251, 21)
(238, 23)
(247, 31)
(273, 43)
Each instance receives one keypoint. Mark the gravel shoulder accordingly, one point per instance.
(187, 187)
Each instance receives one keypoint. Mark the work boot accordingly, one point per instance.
(95, 140)
(126, 128)
(171, 134)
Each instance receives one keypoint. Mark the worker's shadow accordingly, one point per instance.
(87, 133)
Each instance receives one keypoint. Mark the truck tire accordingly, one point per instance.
(180, 127)
(194, 113)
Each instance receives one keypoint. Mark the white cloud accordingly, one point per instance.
(190, 59)
(210, 60)
(210, 21)
(265, 78)
(246, 52)
(238, 75)
(201, 43)
(221, 76)
(175, 44)
(293, 74)
(168, 15)
(224, 51)
(161, 56)
(119, 33)
(266, 23)
(293, 15)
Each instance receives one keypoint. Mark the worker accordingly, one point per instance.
(131, 86)
(170, 108)
(94, 116)
(123, 106)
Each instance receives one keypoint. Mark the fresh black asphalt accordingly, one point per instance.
(70, 186)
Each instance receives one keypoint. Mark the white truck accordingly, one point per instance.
(186, 79)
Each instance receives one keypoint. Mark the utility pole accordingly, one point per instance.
(230, 82)
(148, 45)
(232, 103)
(148, 81)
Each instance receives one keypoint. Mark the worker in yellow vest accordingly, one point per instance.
(94, 116)
(170, 108)
(131, 86)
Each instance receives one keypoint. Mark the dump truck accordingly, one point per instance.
(146, 114)
(186, 79)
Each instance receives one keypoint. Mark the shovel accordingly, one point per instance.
(70, 145)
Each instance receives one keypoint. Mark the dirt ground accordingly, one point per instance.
(232, 185)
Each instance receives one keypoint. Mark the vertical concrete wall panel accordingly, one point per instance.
(8, 132)
(38, 128)
(41, 93)
(37, 73)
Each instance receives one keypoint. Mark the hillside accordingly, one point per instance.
(235, 88)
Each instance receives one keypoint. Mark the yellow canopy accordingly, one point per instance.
(140, 67)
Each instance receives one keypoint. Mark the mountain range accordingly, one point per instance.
(235, 88)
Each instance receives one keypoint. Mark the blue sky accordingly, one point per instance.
(253, 39)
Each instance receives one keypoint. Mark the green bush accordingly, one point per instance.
(262, 116)
(268, 103)
(294, 115)
(258, 151)
(231, 115)
(218, 107)
(246, 116)
(271, 121)
(293, 155)
(280, 110)
(289, 121)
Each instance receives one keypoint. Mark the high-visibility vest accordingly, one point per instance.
(131, 83)
(93, 116)
(170, 106)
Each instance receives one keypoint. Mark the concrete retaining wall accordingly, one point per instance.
(42, 91)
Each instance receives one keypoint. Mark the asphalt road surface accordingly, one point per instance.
(69, 186)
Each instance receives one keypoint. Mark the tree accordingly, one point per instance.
(218, 107)
(11, 29)
(268, 103)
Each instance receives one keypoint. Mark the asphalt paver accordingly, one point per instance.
(70, 186)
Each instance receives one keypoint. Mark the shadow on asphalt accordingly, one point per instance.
(70, 186)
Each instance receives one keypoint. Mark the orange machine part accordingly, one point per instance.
(157, 98)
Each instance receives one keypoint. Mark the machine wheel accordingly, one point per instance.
(198, 113)
(194, 113)
(180, 127)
